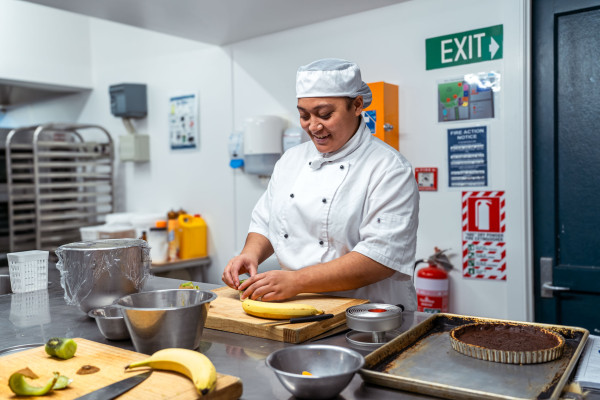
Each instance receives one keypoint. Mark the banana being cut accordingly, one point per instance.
(265, 309)
(190, 363)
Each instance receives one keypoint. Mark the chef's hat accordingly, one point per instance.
(332, 77)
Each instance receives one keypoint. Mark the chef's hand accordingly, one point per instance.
(242, 264)
(270, 286)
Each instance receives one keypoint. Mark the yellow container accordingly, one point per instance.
(192, 237)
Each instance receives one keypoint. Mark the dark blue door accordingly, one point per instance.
(566, 161)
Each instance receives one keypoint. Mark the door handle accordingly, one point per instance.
(549, 286)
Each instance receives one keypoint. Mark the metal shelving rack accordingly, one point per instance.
(60, 177)
(3, 199)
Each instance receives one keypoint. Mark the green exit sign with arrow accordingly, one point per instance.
(468, 47)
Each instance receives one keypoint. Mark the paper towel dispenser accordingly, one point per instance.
(263, 137)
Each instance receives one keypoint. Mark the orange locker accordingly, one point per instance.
(384, 108)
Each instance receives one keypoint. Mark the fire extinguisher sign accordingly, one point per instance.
(483, 229)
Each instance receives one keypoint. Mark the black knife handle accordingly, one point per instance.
(310, 318)
(116, 389)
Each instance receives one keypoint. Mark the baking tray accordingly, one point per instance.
(422, 360)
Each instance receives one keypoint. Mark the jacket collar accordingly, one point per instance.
(318, 159)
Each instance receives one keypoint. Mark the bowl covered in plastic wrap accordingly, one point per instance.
(96, 273)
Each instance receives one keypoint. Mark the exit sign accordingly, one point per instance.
(464, 48)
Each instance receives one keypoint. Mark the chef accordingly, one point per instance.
(340, 211)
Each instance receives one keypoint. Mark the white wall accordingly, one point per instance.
(200, 180)
(41, 44)
(256, 77)
(389, 45)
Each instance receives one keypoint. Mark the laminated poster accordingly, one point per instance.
(468, 98)
(483, 230)
(467, 157)
(183, 122)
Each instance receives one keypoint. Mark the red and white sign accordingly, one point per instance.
(484, 260)
(427, 179)
(483, 228)
(483, 216)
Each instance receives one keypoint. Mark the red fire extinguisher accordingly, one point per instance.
(431, 283)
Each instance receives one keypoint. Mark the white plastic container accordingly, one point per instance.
(28, 270)
(293, 136)
(30, 309)
(89, 233)
(157, 239)
(144, 221)
(116, 231)
(118, 218)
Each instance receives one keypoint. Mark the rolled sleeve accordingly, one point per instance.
(259, 222)
(261, 214)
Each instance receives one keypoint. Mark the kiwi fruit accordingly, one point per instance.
(64, 348)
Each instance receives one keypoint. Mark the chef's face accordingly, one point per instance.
(330, 121)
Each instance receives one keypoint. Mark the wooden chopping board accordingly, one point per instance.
(111, 361)
(226, 314)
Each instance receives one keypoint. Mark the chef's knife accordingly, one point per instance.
(309, 318)
(116, 389)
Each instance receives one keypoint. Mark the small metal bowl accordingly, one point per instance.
(166, 318)
(111, 323)
(331, 368)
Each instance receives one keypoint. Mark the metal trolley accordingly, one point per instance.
(60, 177)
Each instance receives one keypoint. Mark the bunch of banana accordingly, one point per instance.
(265, 309)
(190, 363)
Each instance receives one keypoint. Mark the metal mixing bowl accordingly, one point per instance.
(96, 273)
(110, 321)
(332, 369)
(161, 319)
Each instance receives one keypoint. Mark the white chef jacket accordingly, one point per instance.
(363, 198)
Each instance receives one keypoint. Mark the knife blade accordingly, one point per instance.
(297, 320)
(116, 389)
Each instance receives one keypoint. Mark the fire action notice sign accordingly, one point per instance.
(483, 230)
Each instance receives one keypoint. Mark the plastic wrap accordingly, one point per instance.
(97, 273)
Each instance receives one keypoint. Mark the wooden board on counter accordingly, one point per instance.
(111, 361)
(226, 314)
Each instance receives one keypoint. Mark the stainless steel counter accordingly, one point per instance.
(34, 317)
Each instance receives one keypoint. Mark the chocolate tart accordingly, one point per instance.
(507, 342)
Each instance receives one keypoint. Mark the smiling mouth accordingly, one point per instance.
(321, 137)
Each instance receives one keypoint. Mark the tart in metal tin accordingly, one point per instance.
(507, 335)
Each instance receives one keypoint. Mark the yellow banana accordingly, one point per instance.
(190, 363)
(266, 309)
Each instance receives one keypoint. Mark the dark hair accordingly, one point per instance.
(349, 101)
